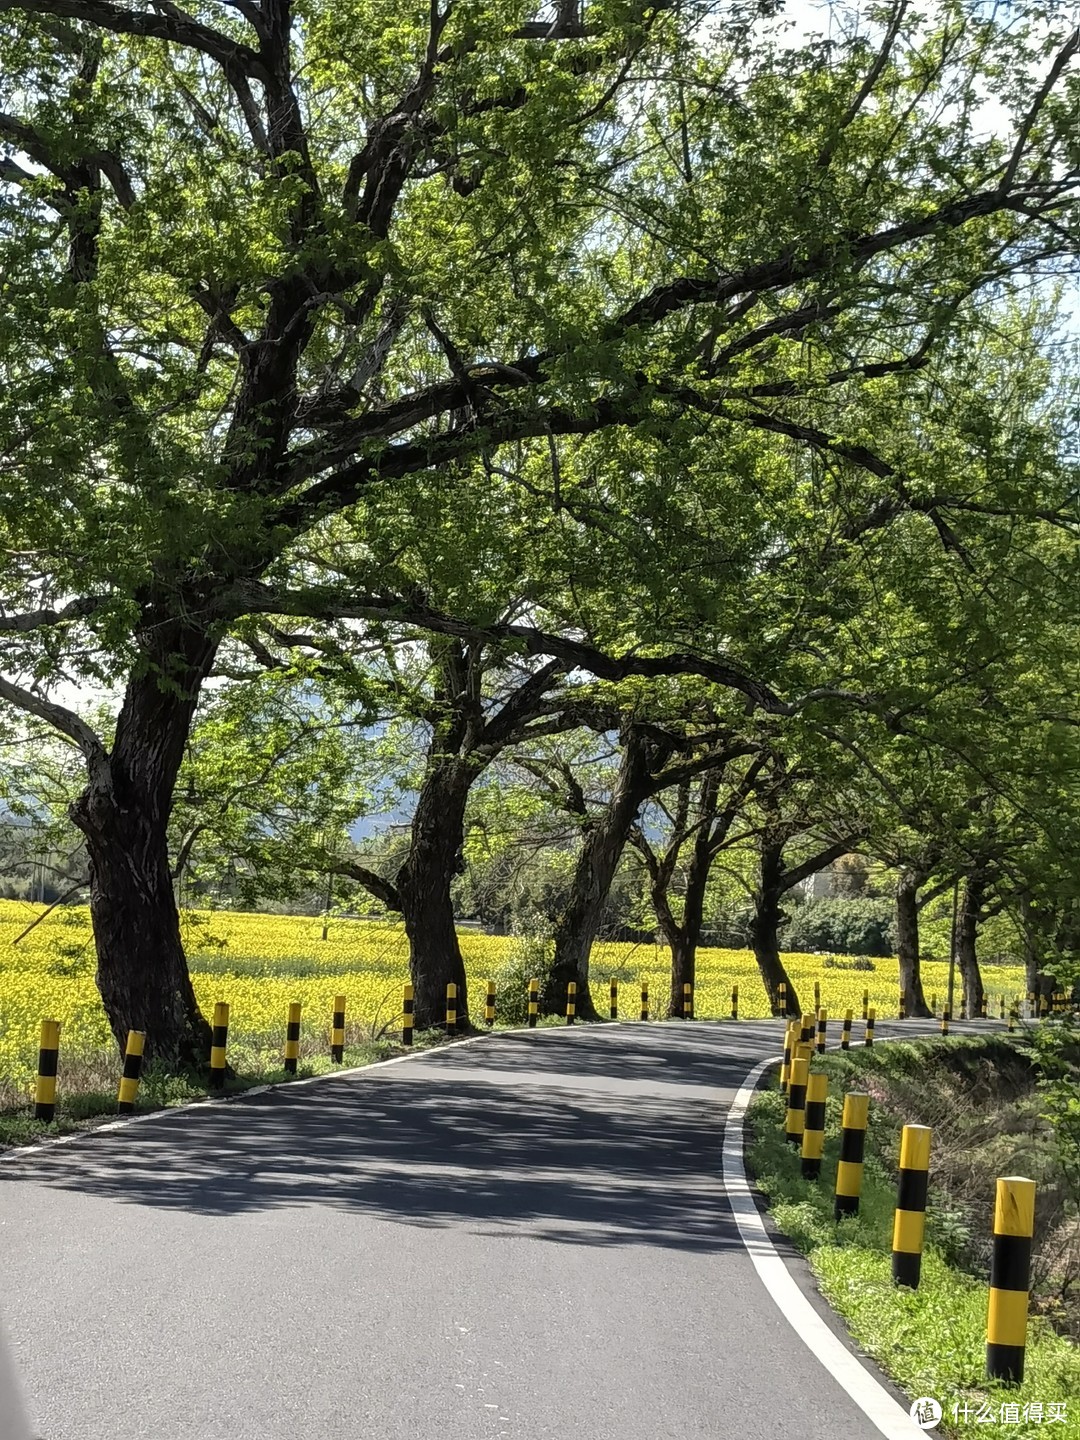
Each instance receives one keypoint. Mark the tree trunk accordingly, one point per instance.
(684, 939)
(683, 956)
(1037, 982)
(971, 899)
(142, 972)
(597, 863)
(765, 926)
(438, 832)
(907, 940)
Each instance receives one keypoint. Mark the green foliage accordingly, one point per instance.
(844, 927)
(666, 346)
(530, 958)
(840, 962)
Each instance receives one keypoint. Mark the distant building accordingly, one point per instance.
(819, 886)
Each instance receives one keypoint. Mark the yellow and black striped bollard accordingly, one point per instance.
(813, 1139)
(534, 1002)
(408, 1009)
(129, 1079)
(790, 1037)
(868, 1033)
(292, 1039)
(219, 1039)
(48, 1060)
(903, 1005)
(933, 1004)
(644, 1000)
(1010, 1279)
(865, 1002)
(849, 1170)
(781, 992)
(946, 1016)
(571, 1002)
(1042, 1006)
(688, 1002)
(1031, 1004)
(909, 1220)
(1003, 1005)
(1013, 1017)
(451, 1008)
(734, 1002)
(845, 1033)
(613, 1000)
(806, 1029)
(337, 1030)
(822, 1026)
(982, 1006)
(796, 1105)
(489, 1005)
(817, 996)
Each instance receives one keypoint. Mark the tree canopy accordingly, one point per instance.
(641, 340)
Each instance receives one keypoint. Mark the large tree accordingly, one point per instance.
(698, 824)
(271, 273)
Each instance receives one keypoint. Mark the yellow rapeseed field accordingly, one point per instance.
(260, 963)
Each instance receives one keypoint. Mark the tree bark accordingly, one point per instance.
(907, 940)
(685, 938)
(597, 863)
(142, 972)
(1037, 982)
(423, 885)
(765, 926)
(971, 899)
(683, 958)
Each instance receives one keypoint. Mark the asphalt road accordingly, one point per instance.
(523, 1237)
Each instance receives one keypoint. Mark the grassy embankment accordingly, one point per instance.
(980, 1099)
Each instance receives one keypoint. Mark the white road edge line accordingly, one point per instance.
(879, 1407)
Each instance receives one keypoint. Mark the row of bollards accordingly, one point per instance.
(1014, 1211)
(48, 1053)
(49, 1044)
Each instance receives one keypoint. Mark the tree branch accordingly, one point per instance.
(384, 890)
(60, 718)
(1064, 55)
(177, 27)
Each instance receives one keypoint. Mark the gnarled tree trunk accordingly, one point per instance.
(684, 939)
(967, 929)
(423, 884)
(142, 972)
(594, 872)
(1037, 981)
(765, 927)
(907, 939)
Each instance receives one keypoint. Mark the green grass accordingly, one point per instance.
(931, 1341)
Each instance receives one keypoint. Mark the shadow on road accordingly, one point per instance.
(604, 1136)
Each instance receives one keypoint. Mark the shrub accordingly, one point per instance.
(530, 958)
(849, 927)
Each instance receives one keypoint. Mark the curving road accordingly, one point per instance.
(525, 1237)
